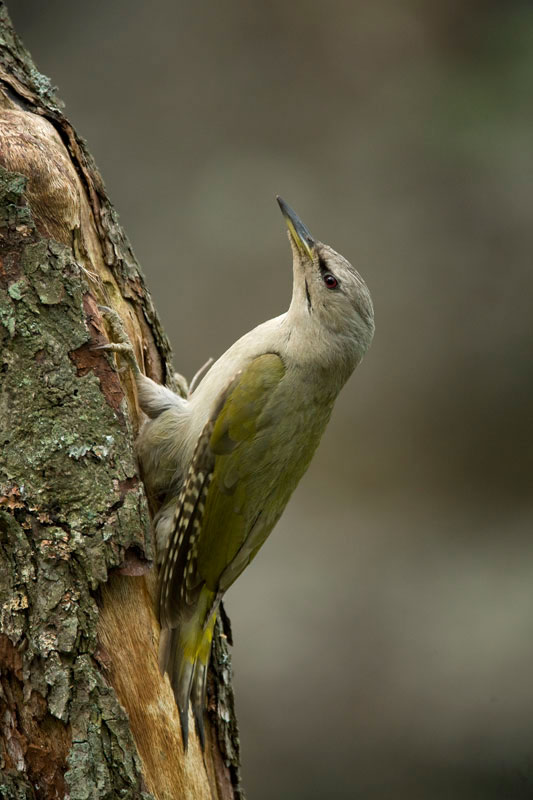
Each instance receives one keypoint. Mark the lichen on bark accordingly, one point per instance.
(84, 710)
(65, 521)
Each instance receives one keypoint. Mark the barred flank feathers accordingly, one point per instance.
(187, 609)
(177, 584)
(182, 620)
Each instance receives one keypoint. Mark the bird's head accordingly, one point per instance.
(330, 299)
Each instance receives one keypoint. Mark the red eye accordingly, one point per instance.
(330, 280)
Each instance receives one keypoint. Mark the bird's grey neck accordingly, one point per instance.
(325, 358)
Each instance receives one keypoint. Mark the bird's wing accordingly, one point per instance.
(220, 502)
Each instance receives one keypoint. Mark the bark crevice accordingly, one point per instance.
(84, 711)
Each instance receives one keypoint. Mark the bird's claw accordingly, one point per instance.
(121, 344)
(116, 325)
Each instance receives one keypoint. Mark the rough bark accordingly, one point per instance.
(84, 712)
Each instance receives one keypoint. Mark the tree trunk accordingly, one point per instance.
(84, 711)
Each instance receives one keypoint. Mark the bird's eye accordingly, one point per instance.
(330, 280)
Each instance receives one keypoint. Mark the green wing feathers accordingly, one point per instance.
(217, 509)
(240, 415)
(240, 437)
(213, 515)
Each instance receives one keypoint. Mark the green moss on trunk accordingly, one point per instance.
(72, 507)
(65, 458)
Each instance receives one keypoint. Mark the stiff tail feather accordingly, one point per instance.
(184, 656)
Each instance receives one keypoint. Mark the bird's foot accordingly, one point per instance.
(121, 342)
(181, 385)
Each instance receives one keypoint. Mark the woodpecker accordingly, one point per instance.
(220, 464)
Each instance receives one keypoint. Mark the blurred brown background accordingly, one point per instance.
(384, 640)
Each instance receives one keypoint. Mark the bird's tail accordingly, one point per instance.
(184, 655)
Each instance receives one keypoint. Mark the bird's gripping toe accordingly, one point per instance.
(121, 342)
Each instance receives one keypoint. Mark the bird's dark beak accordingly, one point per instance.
(299, 233)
